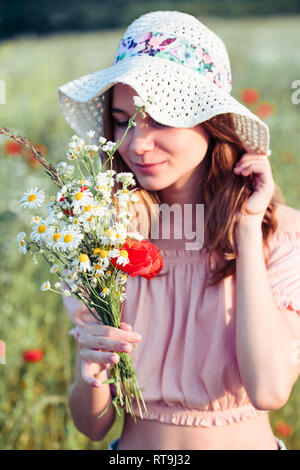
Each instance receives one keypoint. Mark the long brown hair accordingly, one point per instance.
(223, 193)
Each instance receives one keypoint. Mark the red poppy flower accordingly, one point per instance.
(33, 355)
(144, 259)
(12, 148)
(250, 95)
(264, 110)
(284, 429)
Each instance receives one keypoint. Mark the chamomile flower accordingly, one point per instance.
(105, 292)
(54, 269)
(121, 278)
(81, 198)
(138, 102)
(121, 255)
(33, 198)
(135, 236)
(99, 269)
(21, 236)
(22, 247)
(94, 282)
(91, 134)
(46, 286)
(40, 231)
(92, 149)
(107, 237)
(82, 263)
(125, 217)
(108, 146)
(126, 178)
(35, 219)
(102, 140)
(70, 239)
(54, 239)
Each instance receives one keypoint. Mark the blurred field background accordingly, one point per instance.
(34, 413)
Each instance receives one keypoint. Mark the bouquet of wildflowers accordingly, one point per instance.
(86, 240)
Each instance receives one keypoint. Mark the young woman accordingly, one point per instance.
(219, 326)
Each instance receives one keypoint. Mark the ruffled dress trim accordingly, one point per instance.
(159, 411)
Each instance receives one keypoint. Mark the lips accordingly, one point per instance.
(148, 165)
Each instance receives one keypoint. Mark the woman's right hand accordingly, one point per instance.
(97, 344)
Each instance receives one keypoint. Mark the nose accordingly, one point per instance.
(142, 138)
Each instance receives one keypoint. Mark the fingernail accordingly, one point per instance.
(137, 337)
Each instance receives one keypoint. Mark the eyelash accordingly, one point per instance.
(125, 123)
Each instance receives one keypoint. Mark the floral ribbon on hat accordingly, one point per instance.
(177, 49)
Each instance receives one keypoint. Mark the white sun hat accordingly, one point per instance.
(181, 64)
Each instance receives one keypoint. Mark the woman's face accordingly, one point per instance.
(176, 153)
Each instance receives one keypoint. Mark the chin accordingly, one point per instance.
(153, 186)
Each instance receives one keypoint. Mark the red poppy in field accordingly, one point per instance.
(283, 429)
(12, 148)
(144, 257)
(33, 355)
(250, 95)
(264, 110)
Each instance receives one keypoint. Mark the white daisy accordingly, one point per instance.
(94, 282)
(135, 236)
(121, 278)
(22, 247)
(82, 263)
(40, 231)
(21, 236)
(121, 255)
(99, 269)
(91, 134)
(81, 198)
(54, 269)
(102, 140)
(126, 178)
(138, 102)
(54, 238)
(105, 292)
(46, 286)
(70, 239)
(92, 149)
(33, 198)
(35, 219)
(57, 285)
(108, 146)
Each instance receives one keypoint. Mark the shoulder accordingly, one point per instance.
(288, 218)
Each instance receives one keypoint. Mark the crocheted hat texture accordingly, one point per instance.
(181, 64)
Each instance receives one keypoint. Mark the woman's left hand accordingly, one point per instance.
(259, 166)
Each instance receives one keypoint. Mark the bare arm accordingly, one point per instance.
(87, 403)
(88, 397)
(265, 335)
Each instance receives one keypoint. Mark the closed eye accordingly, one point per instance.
(124, 124)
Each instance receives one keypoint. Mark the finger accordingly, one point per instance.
(250, 159)
(87, 373)
(250, 168)
(120, 334)
(125, 326)
(100, 357)
(104, 344)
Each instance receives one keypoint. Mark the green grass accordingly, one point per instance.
(34, 413)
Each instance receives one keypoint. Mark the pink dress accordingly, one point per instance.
(187, 360)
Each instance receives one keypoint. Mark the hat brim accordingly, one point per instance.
(182, 97)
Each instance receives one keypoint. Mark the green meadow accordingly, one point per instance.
(34, 413)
